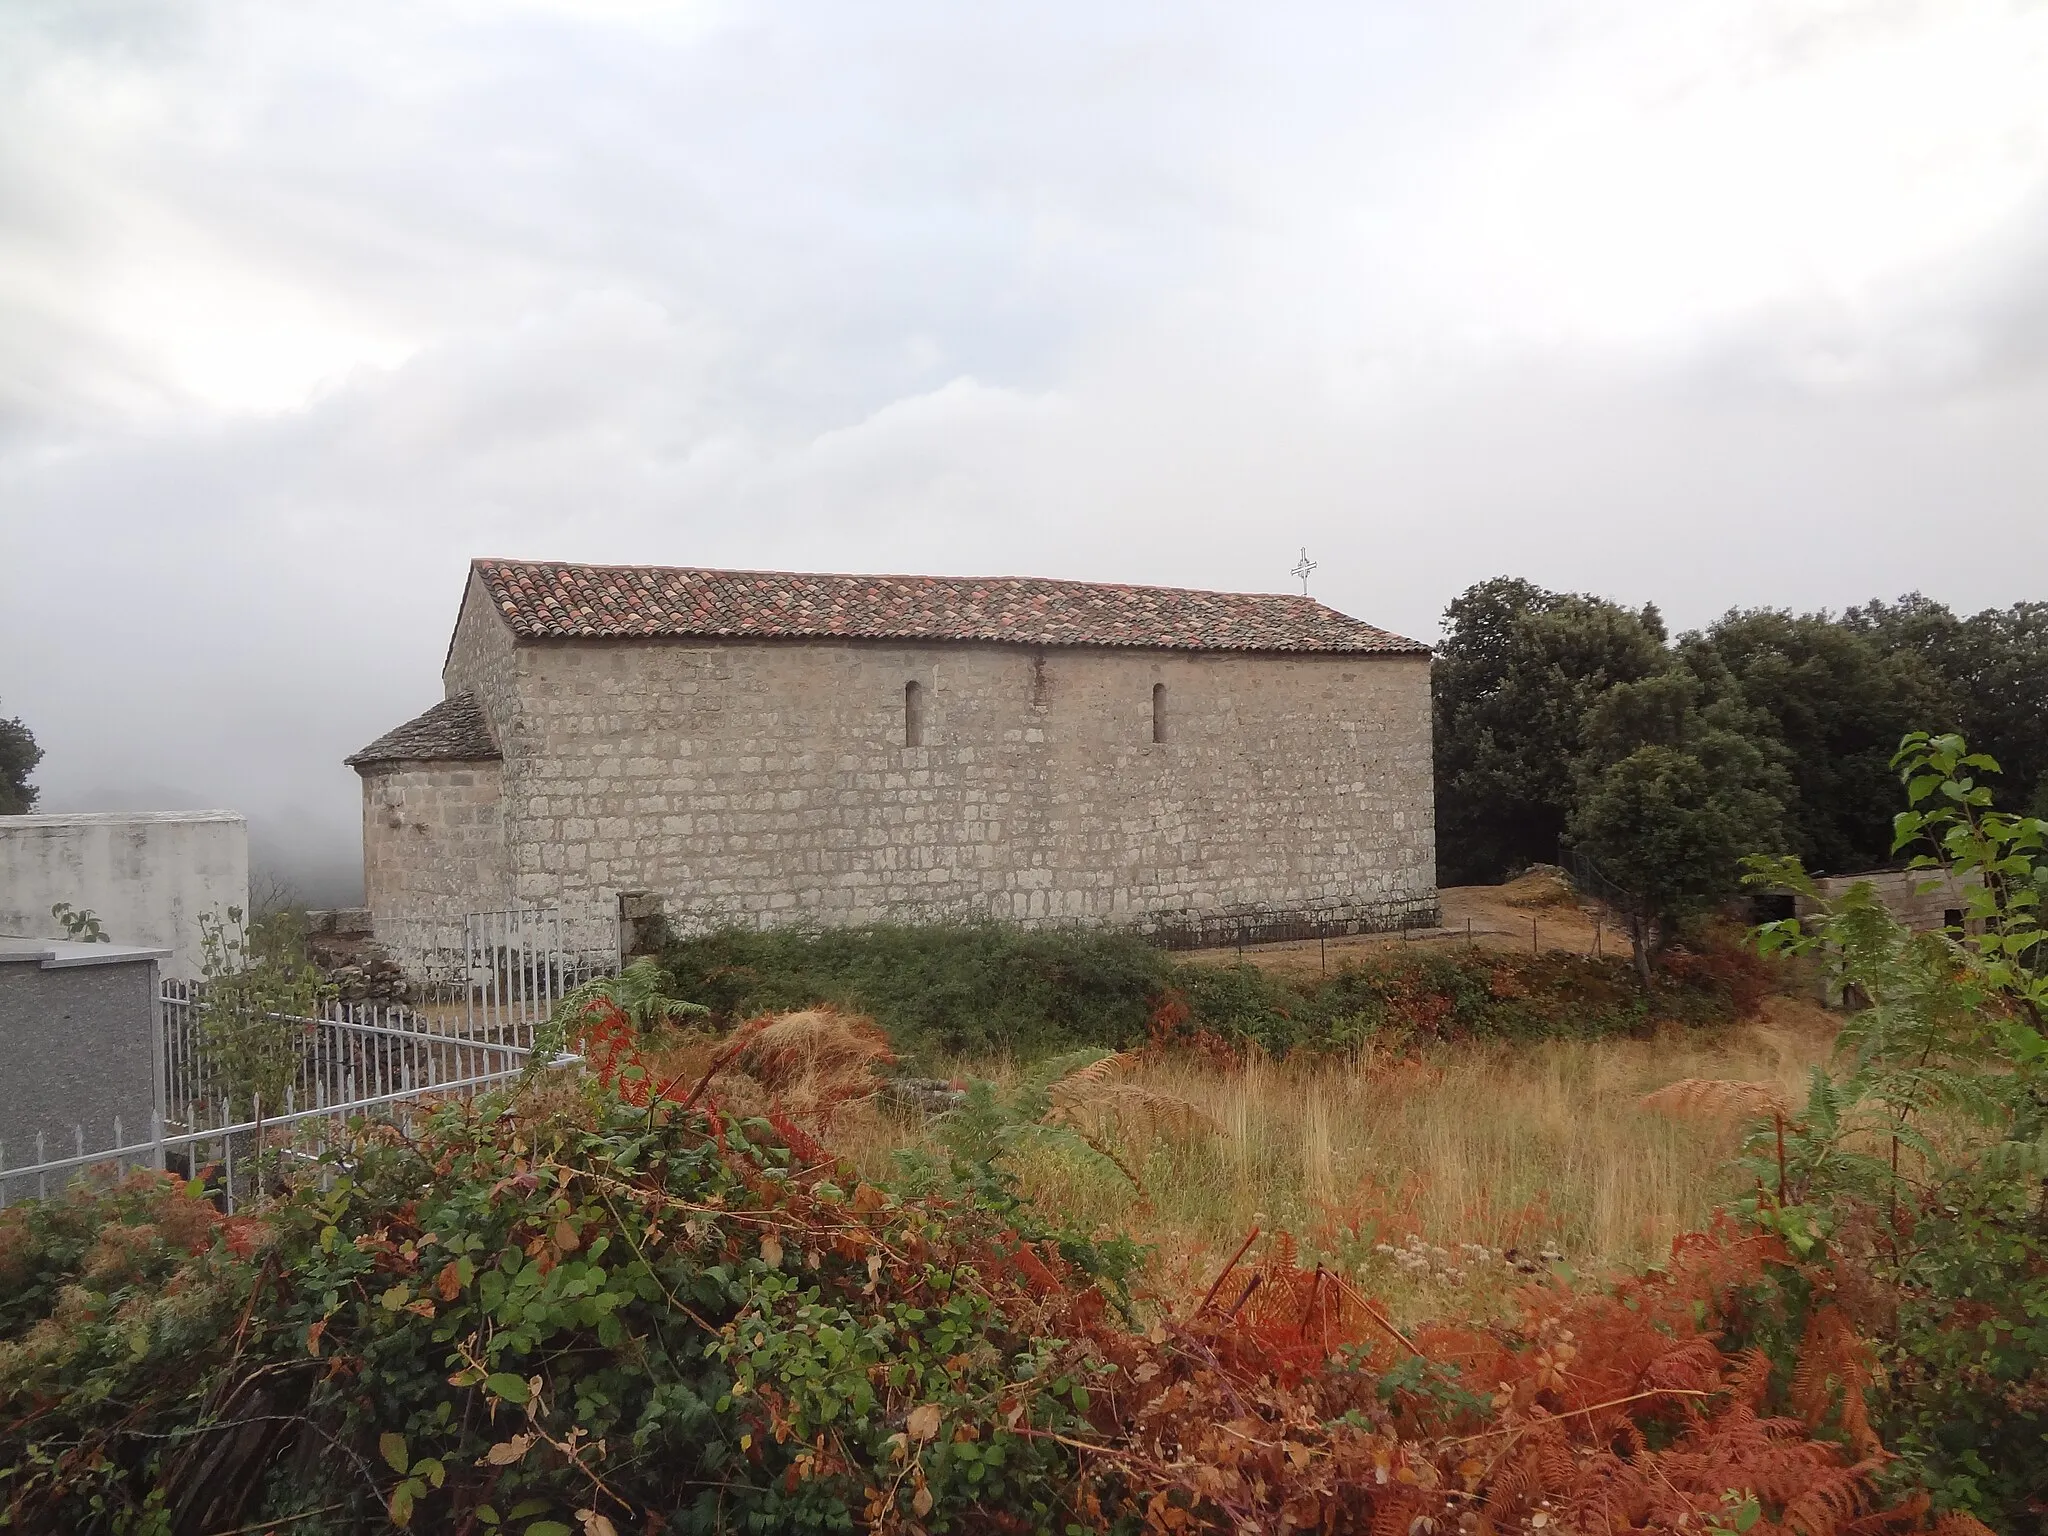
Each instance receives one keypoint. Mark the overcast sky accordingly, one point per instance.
(302, 306)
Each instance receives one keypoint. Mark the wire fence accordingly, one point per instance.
(1589, 879)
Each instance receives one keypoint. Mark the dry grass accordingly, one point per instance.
(1419, 1174)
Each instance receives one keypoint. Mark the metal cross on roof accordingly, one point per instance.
(1303, 568)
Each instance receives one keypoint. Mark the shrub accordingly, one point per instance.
(531, 1322)
(983, 989)
(627, 1314)
(1910, 1187)
(975, 988)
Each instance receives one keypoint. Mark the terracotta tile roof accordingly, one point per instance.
(543, 600)
(453, 731)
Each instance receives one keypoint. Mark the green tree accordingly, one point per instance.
(260, 985)
(1993, 672)
(19, 755)
(1675, 789)
(1835, 701)
(1518, 669)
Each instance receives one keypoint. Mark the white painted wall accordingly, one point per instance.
(147, 875)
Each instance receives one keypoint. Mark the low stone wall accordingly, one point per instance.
(1262, 925)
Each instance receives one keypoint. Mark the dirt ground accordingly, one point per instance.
(1536, 912)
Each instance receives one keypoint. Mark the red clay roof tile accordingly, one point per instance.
(545, 600)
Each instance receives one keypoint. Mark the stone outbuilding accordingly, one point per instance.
(1924, 900)
(736, 747)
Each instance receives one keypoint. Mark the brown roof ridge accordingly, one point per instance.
(767, 571)
(542, 600)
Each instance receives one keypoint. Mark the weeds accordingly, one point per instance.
(987, 990)
(629, 1315)
(1510, 1147)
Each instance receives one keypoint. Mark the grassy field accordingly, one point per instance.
(1440, 1119)
(1419, 1174)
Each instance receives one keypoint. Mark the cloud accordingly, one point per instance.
(1726, 301)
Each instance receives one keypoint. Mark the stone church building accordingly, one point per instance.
(760, 747)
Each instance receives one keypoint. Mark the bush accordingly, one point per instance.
(513, 1317)
(1965, 1399)
(1437, 995)
(985, 989)
(1911, 1186)
(621, 1314)
(972, 988)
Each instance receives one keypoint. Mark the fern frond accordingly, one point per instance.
(1750, 1381)
(1513, 1486)
(1711, 1098)
(1394, 1516)
(1033, 1097)
(1096, 1072)
(1141, 1112)
(1834, 1359)
(1832, 1498)
(2015, 1159)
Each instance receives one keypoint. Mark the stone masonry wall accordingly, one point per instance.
(1900, 891)
(433, 843)
(765, 782)
(482, 658)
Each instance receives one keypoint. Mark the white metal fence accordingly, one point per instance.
(351, 1053)
(351, 1060)
(496, 975)
(342, 1068)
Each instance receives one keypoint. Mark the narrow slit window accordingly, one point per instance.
(1159, 712)
(913, 714)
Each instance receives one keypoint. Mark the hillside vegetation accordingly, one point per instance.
(985, 990)
(742, 1276)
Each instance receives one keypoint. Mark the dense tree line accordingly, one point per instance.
(1561, 716)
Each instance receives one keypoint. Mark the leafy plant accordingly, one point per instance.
(545, 1320)
(1674, 791)
(641, 998)
(2000, 861)
(942, 989)
(1911, 1186)
(259, 984)
(1028, 994)
(643, 992)
(991, 1127)
(81, 926)
(551, 1315)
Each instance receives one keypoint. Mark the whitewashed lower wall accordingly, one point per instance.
(147, 875)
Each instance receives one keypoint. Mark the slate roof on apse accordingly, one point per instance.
(453, 731)
(544, 600)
